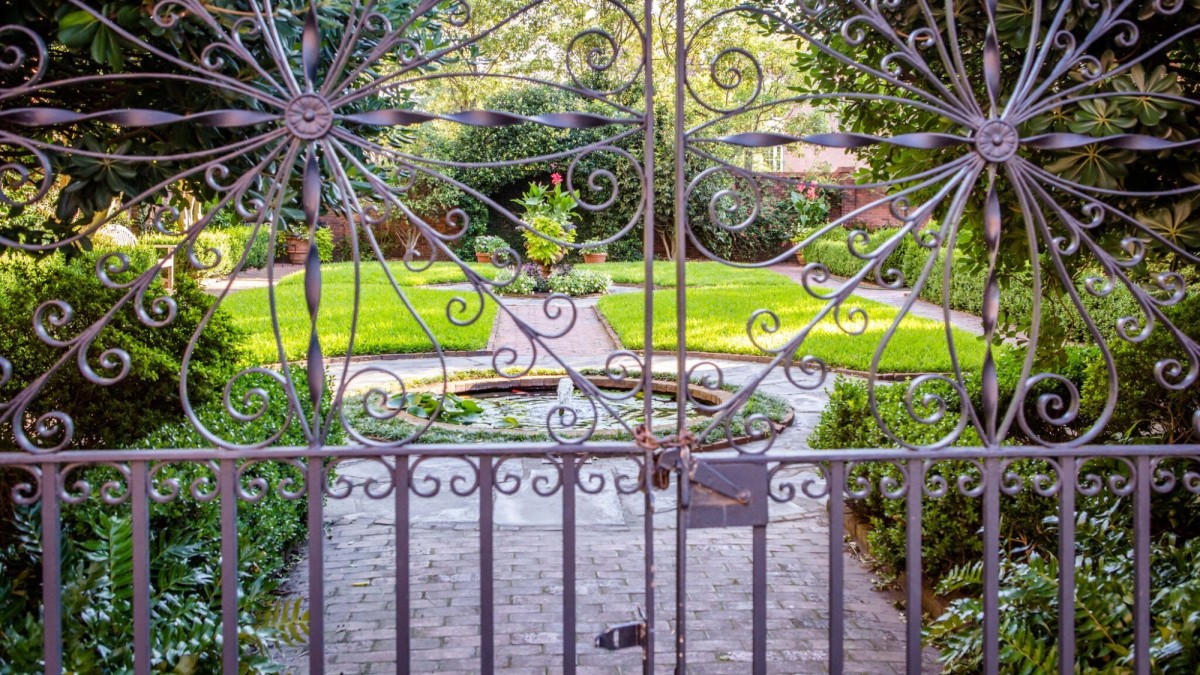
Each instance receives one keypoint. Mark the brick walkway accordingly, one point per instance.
(587, 337)
(445, 589)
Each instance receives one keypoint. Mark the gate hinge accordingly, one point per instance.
(620, 636)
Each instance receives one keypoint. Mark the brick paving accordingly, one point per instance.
(445, 575)
(586, 337)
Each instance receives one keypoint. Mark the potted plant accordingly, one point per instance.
(486, 246)
(548, 215)
(594, 252)
(297, 245)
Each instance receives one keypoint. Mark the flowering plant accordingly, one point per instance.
(551, 201)
(810, 207)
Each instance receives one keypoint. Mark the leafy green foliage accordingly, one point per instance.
(151, 387)
(97, 560)
(578, 281)
(1145, 410)
(539, 246)
(450, 408)
(1029, 604)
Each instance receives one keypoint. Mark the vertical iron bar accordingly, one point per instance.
(759, 593)
(140, 504)
(1066, 566)
(681, 525)
(837, 568)
(568, 513)
(227, 486)
(991, 566)
(1141, 567)
(315, 483)
(648, 328)
(403, 633)
(487, 630)
(912, 564)
(681, 342)
(51, 571)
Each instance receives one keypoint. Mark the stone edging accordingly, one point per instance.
(698, 392)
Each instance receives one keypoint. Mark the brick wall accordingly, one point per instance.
(853, 199)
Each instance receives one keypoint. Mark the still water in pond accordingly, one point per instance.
(529, 408)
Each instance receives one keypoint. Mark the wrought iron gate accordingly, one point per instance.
(310, 105)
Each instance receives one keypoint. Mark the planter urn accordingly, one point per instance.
(297, 249)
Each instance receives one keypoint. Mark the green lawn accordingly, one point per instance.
(385, 325)
(628, 273)
(698, 274)
(372, 273)
(717, 316)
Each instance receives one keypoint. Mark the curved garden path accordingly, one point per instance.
(444, 556)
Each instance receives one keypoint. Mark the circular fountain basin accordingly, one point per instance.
(532, 399)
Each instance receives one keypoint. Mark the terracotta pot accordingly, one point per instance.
(483, 257)
(800, 258)
(546, 270)
(297, 250)
(593, 258)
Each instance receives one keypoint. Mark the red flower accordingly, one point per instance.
(556, 178)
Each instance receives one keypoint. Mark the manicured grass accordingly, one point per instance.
(627, 273)
(385, 325)
(698, 274)
(372, 273)
(717, 316)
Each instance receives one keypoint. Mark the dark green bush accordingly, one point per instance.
(1146, 411)
(185, 559)
(1104, 627)
(152, 385)
(950, 524)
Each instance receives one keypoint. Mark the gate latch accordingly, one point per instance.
(622, 635)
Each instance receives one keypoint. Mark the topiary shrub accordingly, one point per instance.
(152, 385)
(951, 523)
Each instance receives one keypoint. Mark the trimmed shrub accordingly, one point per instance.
(185, 559)
(152, 385)
(966, 286)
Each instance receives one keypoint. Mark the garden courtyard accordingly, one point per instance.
(443, 530)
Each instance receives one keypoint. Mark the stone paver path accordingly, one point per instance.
(444, 575)
(248, 279)
(586, 337)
